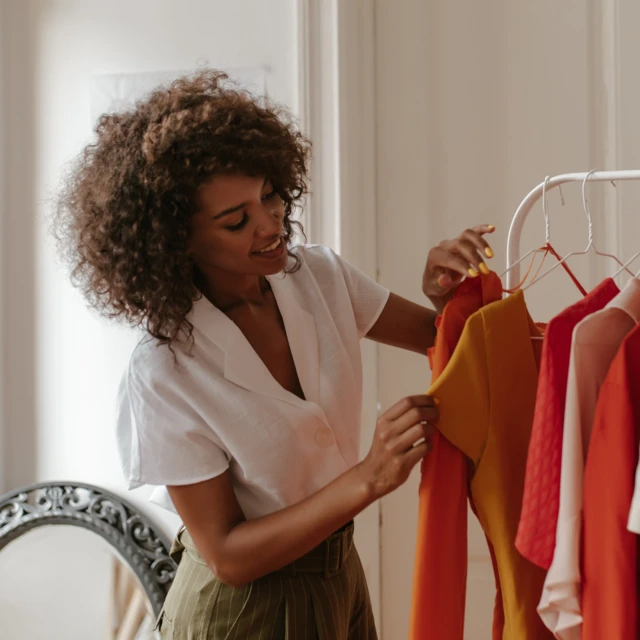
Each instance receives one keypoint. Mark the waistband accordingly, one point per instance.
(328, 558)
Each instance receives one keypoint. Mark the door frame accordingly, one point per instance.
(336, 107)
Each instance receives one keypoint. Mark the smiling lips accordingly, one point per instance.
(272, 251)
(272, 246)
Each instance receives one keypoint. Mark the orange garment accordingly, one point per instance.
(610, 555)
(440, 573)
(486, 399)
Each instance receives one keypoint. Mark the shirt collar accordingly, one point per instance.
(628, 300)
(243, 366)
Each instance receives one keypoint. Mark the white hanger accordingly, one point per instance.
(547, 226)
(590, 245)
(586, 205)
(625, 265)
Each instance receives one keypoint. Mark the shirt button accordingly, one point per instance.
(324, 437)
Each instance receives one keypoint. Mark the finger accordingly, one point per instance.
(413, 417)
(469, 251)
(417, 453)
(447, 259)
(406, 404)
(445, 280)
(411, 437)
(475, 237)
(484, 228)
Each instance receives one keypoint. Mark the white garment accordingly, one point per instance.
(222, 409)
(595, 342)
(633, 524)
(634, 513)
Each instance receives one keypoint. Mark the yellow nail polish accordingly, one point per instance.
(436, 401)
(488, 252)
(490, 227)
(472, 272)
(484, 269)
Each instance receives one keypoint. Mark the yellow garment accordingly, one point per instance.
(486, 399)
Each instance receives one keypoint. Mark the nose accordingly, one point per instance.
(269, 220)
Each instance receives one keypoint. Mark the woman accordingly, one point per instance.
(244, 397)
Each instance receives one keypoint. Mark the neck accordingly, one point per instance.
(233, 290)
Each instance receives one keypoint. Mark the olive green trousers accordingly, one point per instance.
(321, 596)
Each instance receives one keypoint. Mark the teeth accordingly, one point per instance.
(271, 247)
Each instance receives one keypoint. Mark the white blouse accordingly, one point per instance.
(221, 409)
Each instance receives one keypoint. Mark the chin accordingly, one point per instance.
(277, 266)
(273, 262)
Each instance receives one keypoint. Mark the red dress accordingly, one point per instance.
(536, 536)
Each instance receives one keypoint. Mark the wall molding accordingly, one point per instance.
(336, 107)
(18, 410)
(605, 71)
(318, 111)
(3, 213)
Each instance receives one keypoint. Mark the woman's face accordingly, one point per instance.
(238, 227)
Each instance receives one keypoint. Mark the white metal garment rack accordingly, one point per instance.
(517, 224)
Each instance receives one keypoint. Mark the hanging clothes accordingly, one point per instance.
(486, 401)
(539, 513)
(610, 557)
(633, 523)
(440, 573)
(595, 341)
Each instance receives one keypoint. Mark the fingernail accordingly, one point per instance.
(488, 252)
(490, 227)
(444, 281)
(472, 272)
(436, 401)
(484, 269)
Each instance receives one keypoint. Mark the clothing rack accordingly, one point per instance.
(517, 224)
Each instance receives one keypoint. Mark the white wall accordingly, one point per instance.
(3, 208)
(476, 103)
(65, 361)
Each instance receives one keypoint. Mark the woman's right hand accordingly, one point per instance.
(400, 441)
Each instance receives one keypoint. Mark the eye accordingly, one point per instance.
(269, 195)
(240, 225)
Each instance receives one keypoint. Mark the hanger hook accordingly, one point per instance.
(585, 204)
(547, 225)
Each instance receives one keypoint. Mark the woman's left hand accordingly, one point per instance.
(453, 260)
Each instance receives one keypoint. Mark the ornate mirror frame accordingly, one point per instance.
(133, 537)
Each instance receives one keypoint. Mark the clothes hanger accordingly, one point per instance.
(547, 228)
(625, 265)
(586, 205)
(590, 245)
(546, 249)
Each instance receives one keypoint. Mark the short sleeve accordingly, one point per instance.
(462, 392)
(162, 440)
(368, 297)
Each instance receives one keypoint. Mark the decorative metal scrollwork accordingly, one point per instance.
(133, 536)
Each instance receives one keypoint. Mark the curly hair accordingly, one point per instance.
(121, 216)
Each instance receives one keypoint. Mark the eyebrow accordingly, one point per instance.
(226, 212)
